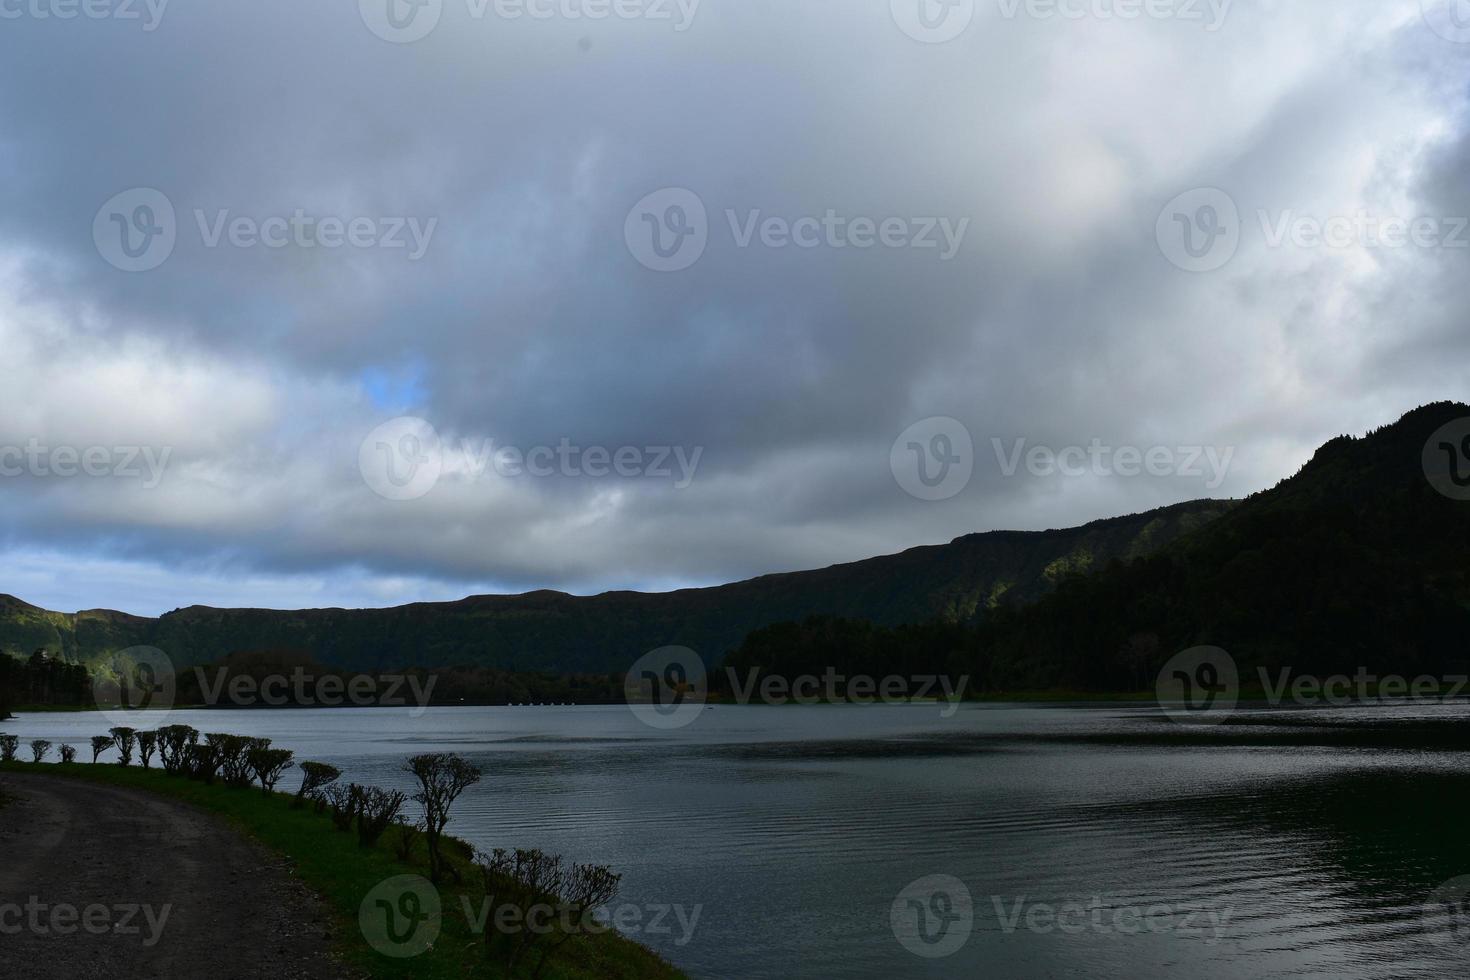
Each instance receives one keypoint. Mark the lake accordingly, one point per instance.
(1010, 841)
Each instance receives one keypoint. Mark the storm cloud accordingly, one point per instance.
(590, 244)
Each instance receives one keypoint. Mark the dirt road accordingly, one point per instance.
(97, 881)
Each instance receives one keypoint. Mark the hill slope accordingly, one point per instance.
(1356, 561)
(554, 631)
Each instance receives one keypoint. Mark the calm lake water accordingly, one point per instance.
(1092, 841)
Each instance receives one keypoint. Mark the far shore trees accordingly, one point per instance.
(442, 778)
(100, 744)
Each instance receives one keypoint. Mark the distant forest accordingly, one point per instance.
(42, 680)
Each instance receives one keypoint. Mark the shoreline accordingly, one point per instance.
(342, 874)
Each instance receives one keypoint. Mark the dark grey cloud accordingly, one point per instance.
(527, 320)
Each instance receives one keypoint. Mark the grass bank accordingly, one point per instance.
(331, 863)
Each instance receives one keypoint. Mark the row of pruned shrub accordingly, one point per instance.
(237, 760)
(521, 878)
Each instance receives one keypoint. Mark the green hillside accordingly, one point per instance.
(554, 631)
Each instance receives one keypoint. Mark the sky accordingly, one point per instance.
(362, 303)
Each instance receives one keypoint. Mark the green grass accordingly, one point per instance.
(332, 864)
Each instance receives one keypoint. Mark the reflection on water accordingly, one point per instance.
(1092, 841)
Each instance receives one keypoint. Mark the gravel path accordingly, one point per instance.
(98, 881)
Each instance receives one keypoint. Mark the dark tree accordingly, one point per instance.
(314, 777)
(442, 778)
(174, 745)
(269, 765)
(147, 743)
(124, 739)
(100, 744)
(376, 811)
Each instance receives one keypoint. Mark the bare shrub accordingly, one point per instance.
(269, 765)
(314, 776)
(376, 811)
(528, 879)
(442, 778)
(124, 739)
(343, 801)
(174, 743)
(403, 841)
(147, 743)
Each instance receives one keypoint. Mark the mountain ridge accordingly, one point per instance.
(949, 580)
